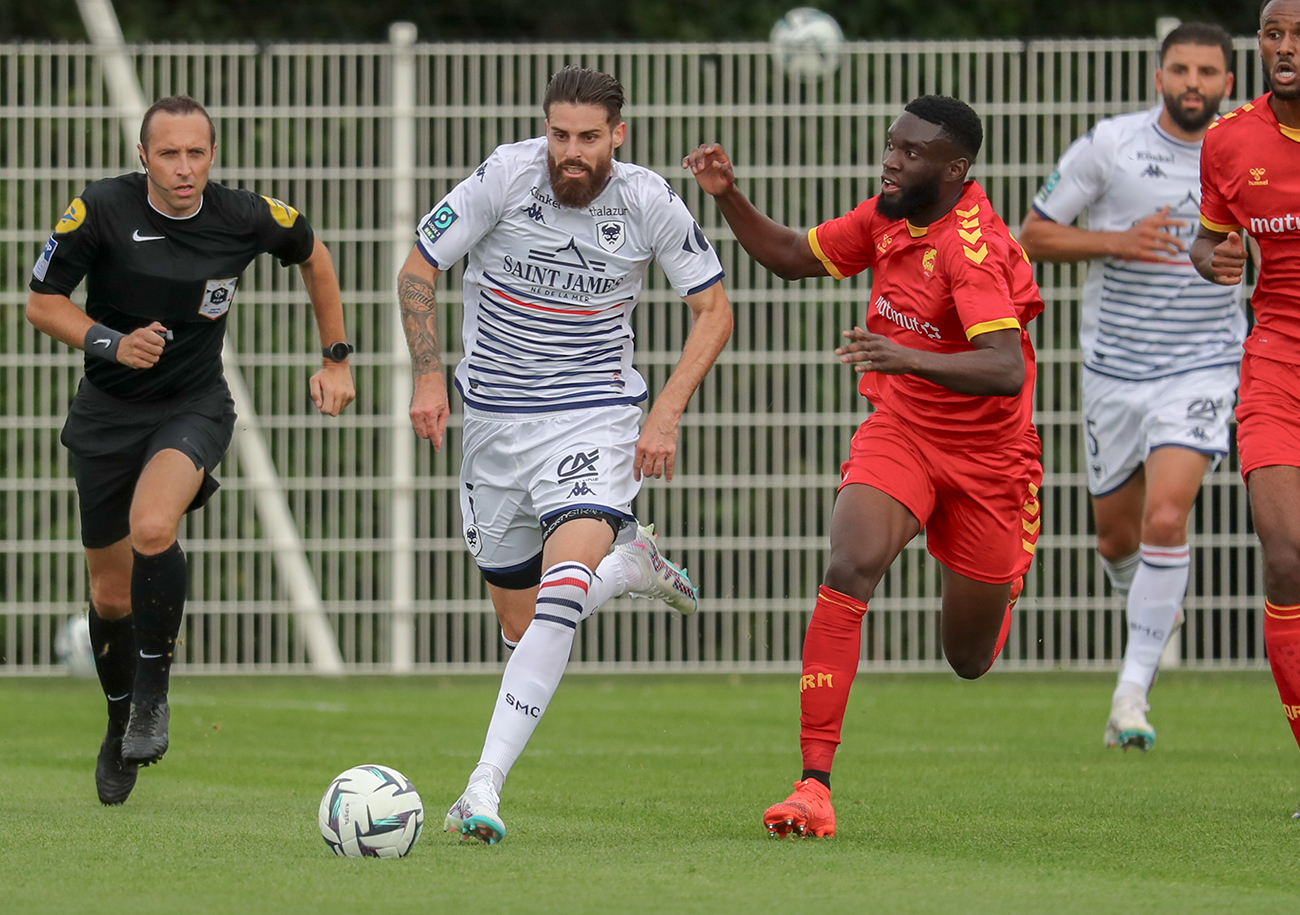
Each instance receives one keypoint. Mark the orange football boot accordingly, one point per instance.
(806, 812)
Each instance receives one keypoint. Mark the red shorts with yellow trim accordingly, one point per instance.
(978, 505)
(1268, 414)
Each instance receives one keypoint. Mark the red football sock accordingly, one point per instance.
(1282, 642)
(1002, 636)
(831, 649)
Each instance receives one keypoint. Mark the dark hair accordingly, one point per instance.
(582, 86)
(1199, 33)
(959, 121)
(178, 105)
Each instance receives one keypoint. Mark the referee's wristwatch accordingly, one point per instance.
(338, 352)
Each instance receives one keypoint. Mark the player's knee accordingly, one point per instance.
(1282, 573)
(1116, 546)
(1164, 525)
(151, 534)
(969, 664)
(847, 575)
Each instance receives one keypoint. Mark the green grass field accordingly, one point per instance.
(644, 794)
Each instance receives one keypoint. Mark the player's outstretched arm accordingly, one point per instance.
(59, 316)
(1146, 240)
(779, 248)
(994, 368)
(430, 408)
(656, 451)
(1218, 257)
(331, 387)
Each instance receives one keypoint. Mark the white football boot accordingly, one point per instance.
(658, 578)
(474, 815)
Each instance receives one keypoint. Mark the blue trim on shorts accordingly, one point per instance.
(1161, 377)
(520, 567)
(1208, 452)
(1100, 495)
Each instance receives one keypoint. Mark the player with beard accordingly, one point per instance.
(559, 236)
(947, 363)
(1249, 179)
(1160, 344)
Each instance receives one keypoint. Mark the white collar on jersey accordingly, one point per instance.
(175, 218)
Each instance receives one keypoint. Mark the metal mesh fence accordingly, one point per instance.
(761, 444)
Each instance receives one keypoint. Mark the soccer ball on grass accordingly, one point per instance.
(371, 812)
(806, 42)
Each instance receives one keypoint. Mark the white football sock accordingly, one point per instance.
(1158, 590)
(534, 670)
(614, 577)
(1121, 571)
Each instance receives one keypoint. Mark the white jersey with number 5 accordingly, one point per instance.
(549, 290)
(1143, 319)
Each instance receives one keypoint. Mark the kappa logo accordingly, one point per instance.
(1257, 178)
(1153, 171)
(1199, 434)
(581, 489)
(481, 171)
(579, 465)
(534, 212)
(610, 235)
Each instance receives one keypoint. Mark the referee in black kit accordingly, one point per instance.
(162, 254)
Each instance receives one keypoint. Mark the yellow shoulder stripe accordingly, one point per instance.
(821, 255)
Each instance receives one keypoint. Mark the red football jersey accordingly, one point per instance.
(936, 288)
(1250, 178)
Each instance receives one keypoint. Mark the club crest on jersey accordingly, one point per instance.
(281, 212)
(217, 297)
(610, 235)
(72, 217)
(927, 261)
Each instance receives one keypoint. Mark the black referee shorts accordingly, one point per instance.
(111, 440)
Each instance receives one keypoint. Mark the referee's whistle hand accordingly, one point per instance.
(142, 347)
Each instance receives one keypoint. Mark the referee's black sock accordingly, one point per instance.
(113, 642)
(158, 586)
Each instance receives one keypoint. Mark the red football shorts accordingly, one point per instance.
(1268, 414)
(978, 504)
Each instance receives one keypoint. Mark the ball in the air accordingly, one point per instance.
(807, 42)
(371, 811)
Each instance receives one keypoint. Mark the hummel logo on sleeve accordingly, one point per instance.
(136, 236)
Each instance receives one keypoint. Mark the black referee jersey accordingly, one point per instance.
(142, 266)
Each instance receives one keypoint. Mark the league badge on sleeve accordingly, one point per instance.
(217, 297)
(439, 221)
(42, 265)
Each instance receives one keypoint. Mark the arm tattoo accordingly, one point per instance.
(419, 321)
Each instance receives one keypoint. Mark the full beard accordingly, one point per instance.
(1188, 120)
(577, 193)
(909, 202)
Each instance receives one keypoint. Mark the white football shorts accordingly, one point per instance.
(521, 470)
(1123, 421)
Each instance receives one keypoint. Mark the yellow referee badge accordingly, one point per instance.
(284, 214)
(72, 218)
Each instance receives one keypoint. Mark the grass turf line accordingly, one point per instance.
(644, 794)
